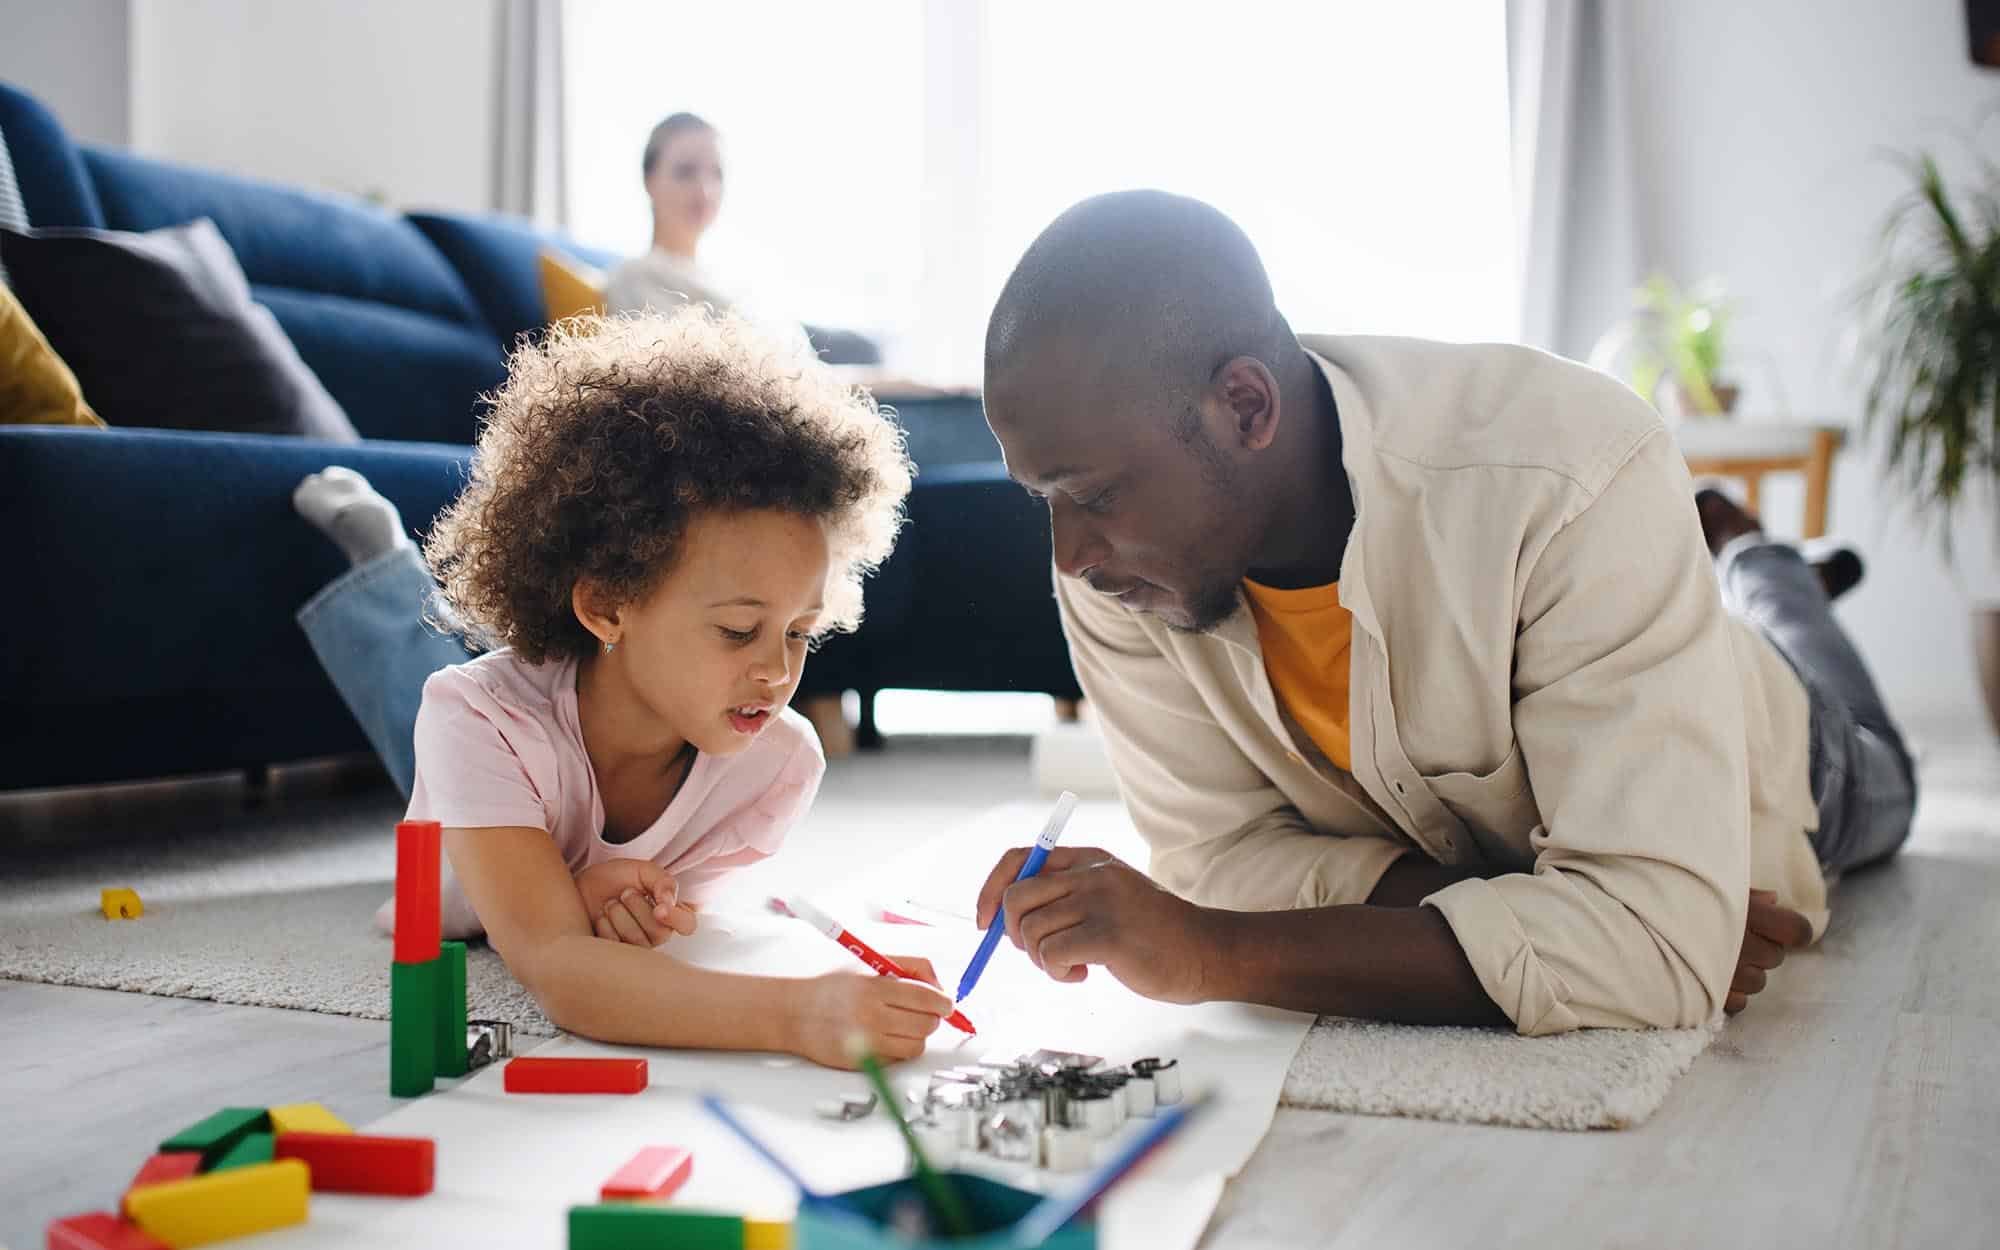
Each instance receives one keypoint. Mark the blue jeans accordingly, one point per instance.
(1863, 778)
(367, 627)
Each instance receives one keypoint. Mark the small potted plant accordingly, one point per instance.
(1671, 350)
(1930, 352)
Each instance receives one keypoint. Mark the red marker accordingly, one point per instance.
(865, 953)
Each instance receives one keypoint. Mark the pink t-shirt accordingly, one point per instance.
(499, 744)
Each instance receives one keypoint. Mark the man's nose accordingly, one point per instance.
(1078, 547)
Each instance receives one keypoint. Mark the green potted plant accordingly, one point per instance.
(1930, 353)
(1672, 349)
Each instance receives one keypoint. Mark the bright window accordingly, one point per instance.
(887, 162)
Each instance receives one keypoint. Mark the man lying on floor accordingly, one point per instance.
(1412, 662)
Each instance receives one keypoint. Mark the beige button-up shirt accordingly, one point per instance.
(1543, 680)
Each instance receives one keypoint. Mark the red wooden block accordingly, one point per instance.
(417, 851)
(529, 1075)
(655, 1172)
(100, 1230)
(168, 1165)
(356, 1163)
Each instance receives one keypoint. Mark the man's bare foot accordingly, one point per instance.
(1723, 521)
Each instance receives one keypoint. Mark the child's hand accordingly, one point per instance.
(633, 900)
(891, 1016)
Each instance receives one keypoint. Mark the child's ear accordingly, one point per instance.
(595, 610)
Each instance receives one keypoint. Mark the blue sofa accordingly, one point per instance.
(149, 624)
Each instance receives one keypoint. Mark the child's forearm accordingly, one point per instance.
(616, 992)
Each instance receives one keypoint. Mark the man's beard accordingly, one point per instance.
(1207, 610)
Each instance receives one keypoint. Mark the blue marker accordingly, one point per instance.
(1051, 832)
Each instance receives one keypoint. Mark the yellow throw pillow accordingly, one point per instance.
(36, 387)
(570, 288)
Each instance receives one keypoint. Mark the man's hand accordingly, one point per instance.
(1086, 907)
(1768, 933)
(633, 900)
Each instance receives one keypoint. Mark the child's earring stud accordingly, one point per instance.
(608, 646)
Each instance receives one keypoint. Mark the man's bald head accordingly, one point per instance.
(1164, 286)
(1136, 373)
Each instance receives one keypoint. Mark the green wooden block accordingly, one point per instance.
(637, 1226)
(413, 1030)
(250, 1148)
(451, 1057)
(220, 1131)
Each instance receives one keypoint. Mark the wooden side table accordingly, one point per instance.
(1747, 450)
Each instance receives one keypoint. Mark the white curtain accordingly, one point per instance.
(1582, 225)
(528, 169)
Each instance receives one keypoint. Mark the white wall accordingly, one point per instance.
(1760, 128)
(373, 97)
(73, 57)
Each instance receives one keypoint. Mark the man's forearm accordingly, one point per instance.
(1412, 879)
(1372, 962)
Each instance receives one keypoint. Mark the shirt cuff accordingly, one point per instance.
(1534, 997)
(1348, 871)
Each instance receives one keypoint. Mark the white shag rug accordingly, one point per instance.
(289, 926)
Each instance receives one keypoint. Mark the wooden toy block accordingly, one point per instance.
(654, 1173)
(220, 1205)
(120, 904)
(413, 1005)
(638, 1226)
(220, 1131)
(767, 1234)
(417, 884)
(168, 1165)
(452, 1059)
(251, 1148)
(306, 1117)
(530, 1075)
(100, 1230)
(358, 1163)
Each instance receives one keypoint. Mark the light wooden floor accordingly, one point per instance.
(1856, 1104)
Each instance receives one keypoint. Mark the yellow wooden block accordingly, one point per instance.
(218, 1205)
(306, 1117)
(767, 1234)
(120, 904)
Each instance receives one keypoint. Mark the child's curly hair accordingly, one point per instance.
(612, 434)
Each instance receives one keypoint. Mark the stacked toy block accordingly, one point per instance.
(247, 1170)
(427, 975)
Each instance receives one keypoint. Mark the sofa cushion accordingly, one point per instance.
(54, 187)
(36, 387)
(399, 374)
(302, 240)
(500, 260)
(568, 288)
(162, 332)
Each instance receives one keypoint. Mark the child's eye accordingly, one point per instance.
(737, 635)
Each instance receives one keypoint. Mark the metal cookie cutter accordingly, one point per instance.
(1140, 1099)
(1061, 1059)
(487, 1041)
(1065, 1149)
(1166, 1077)
(845, 1107)
(1092, 1111)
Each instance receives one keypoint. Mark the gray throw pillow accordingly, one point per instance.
(161, 331)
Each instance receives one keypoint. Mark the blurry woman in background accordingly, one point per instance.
(683, 170)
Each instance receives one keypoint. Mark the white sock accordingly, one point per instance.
(348, 510)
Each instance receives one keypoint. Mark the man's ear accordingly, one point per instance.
(1245, 393)
(595, 610)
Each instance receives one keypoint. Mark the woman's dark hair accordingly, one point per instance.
(664, 133)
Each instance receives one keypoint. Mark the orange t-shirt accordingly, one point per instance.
(1306, 636)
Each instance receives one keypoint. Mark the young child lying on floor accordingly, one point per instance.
(664, 513)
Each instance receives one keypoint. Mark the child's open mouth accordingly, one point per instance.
(750, 717)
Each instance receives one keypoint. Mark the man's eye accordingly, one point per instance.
(1099, 503)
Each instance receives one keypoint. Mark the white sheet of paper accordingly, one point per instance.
(509, 1166)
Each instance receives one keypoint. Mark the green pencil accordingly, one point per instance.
(943, 1198)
